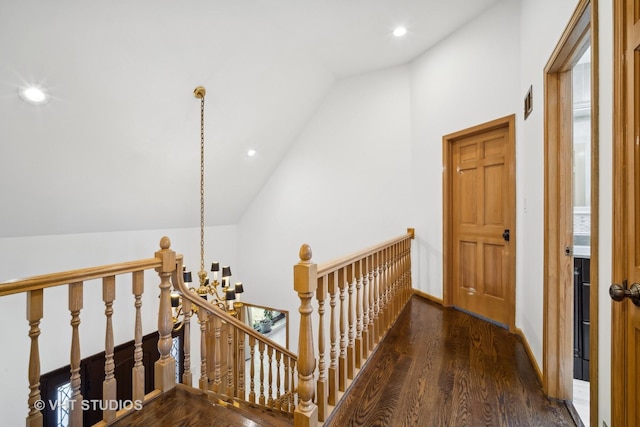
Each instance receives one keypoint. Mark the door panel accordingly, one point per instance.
(633, 312)
(493, 271)
(493, 192)
(480, 209)
(626, 316)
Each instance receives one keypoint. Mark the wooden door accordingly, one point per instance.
(482, 211)
(625, 395)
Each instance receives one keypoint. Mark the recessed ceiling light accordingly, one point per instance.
(399, 31)
(251, 152)
(34, 95)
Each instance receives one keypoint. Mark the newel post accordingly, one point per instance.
(165, 366)
(305, 283)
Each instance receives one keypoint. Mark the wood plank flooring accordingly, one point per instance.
(441, 367)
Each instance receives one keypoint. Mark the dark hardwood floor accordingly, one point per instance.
(441, 367)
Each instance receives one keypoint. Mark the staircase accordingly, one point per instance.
(352, 302)
(187, 406)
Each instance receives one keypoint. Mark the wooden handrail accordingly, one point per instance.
(64, 278)
(338, 263)
(365, 292)
(85, 274)
(218, 312)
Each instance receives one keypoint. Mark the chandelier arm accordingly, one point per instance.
(215, 310)
(213, 290)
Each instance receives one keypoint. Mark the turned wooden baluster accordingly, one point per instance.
(34, 315)
(187, 375)
(407, 270)
(75, 402)
(342, 359)
(270, 393)
(137, 372)
(358, 340)
(217, 354)
(203, 317)
(305, 283)
(372, 304)
(391, 286)
(393, 283)
(389, 290)
(287, 387)
(401, 277)
(294, 375)
(365, 307)
(278, 382)
(333, 354)
(261, 398)
(376, 298)
(398, 289)
(384, 289)
(109, 387)
(230, 379)
(351, 365)
(321, 386)
(240, 362)
(252, 370)
(165, 366)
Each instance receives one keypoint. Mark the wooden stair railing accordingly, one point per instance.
(277, 366)
(277, 377)
(370, 288)
(164, 263)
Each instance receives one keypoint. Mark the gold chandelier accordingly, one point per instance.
(228, 298)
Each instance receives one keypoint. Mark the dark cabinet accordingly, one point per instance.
(581, 325)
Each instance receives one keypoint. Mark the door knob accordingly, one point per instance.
(506, 235)
(618, 293)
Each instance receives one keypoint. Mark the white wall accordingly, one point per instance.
(541, 30)
(343, 186)
(28, 256)
(469, 78)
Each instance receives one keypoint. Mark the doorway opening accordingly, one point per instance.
(570, 337)
(581, 98)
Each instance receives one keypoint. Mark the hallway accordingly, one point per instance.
(441, 367)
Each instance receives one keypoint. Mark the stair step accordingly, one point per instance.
(186, 406)
(259, 414)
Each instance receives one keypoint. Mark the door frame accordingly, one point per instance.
(448, 206)
(619, 263)
(558, 208)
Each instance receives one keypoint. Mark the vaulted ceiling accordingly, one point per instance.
(117, 146)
